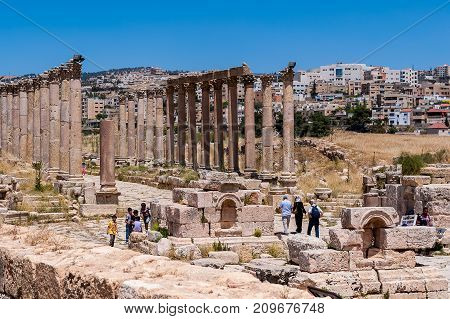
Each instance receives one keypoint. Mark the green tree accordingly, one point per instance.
(320, 125)
(314, 90)
(301, 126)
(101, 116)
(359, 119)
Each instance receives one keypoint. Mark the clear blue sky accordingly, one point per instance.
(219, 34)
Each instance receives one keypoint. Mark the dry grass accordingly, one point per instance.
(47, 238)
(364, 148)
(317, 167)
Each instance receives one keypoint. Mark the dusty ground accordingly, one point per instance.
(440, 262)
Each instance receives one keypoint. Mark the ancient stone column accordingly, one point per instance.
(115, 119)
(159, 128)
(55, 120)
(233, 127)
(75, 120)
(108, 192)
(170, 122)
(249, 113)
(23, 121)
(9, 115)
(141, 127)
(37, 121)
(131, 128)
(287, 177)
(45, 121)
(30, 107)
(4, 120)
(218, 126)
(150, 127)
(181, 124)
(64, 135)
(267, 129)
(206, 125)
(192, 124)
(16, 122)
(123, 145)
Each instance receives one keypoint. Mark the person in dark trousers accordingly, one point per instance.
(299, 210)
(314, 216)
(145, 213)
(128, 224)
(112, 230)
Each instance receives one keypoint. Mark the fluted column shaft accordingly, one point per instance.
(9, 119)
(55, 121)
(249, 113)
(150, 127)
(206, 125)
(16, 122)
(131, 128)
(233, 128)
(30, 105)
(181, 124)
(267, 128)
(23, 121)
(37, 122)
(123, 146)
(218, 126)
(170, 137)
(159, 128)
(4, 120)
(45, 122)
(75, 122)
(64, 143)
(141, 127)
(107, 162)
(192, 124)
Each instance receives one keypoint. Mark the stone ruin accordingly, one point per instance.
(370, 257)
(10, 194)
(218, 207)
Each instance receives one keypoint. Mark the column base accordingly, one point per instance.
(53, 173)
(250, 173)
(267, 177)
(107, 197)
(288, 179)
(75, 178)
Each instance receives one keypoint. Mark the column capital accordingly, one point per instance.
(54, 76)
(206, 85)
(192, 86)
(15, 88)
(170, 89)
(3, 89)
(122, 98)
(30, 85)
(141, 94)
(267, 79)
(249, 80)
(150, 93)
(217, 84)
(159, 92)
(130, 96)
(64, 73)
(75, 66)
(232, 81)
(287, 75)
(22, 85)
(36, 82)
(43, 80)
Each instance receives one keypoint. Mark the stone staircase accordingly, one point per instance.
(332, 207)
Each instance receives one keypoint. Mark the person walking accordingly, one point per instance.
(314, 216)
(286, 211)
(145, 213)
(112, 230)
(128, 224)
(299, 210)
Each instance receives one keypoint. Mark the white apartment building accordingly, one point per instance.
(392, 76)
(399, 117)
(409, 76)
(308, 77)
(442, 71)
(341, 73)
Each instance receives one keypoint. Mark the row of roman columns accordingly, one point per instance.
(40, 119)
(144, 140)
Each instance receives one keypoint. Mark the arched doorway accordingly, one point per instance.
(228, 214)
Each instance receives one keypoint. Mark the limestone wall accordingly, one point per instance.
(37, 264)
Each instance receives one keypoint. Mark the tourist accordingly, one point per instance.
(314, 216)
(299, 210)
(145, 213)
(137, 226)
(83, 168)
(286, 210)
(128, 224)
(425, 218)
(112, 230)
